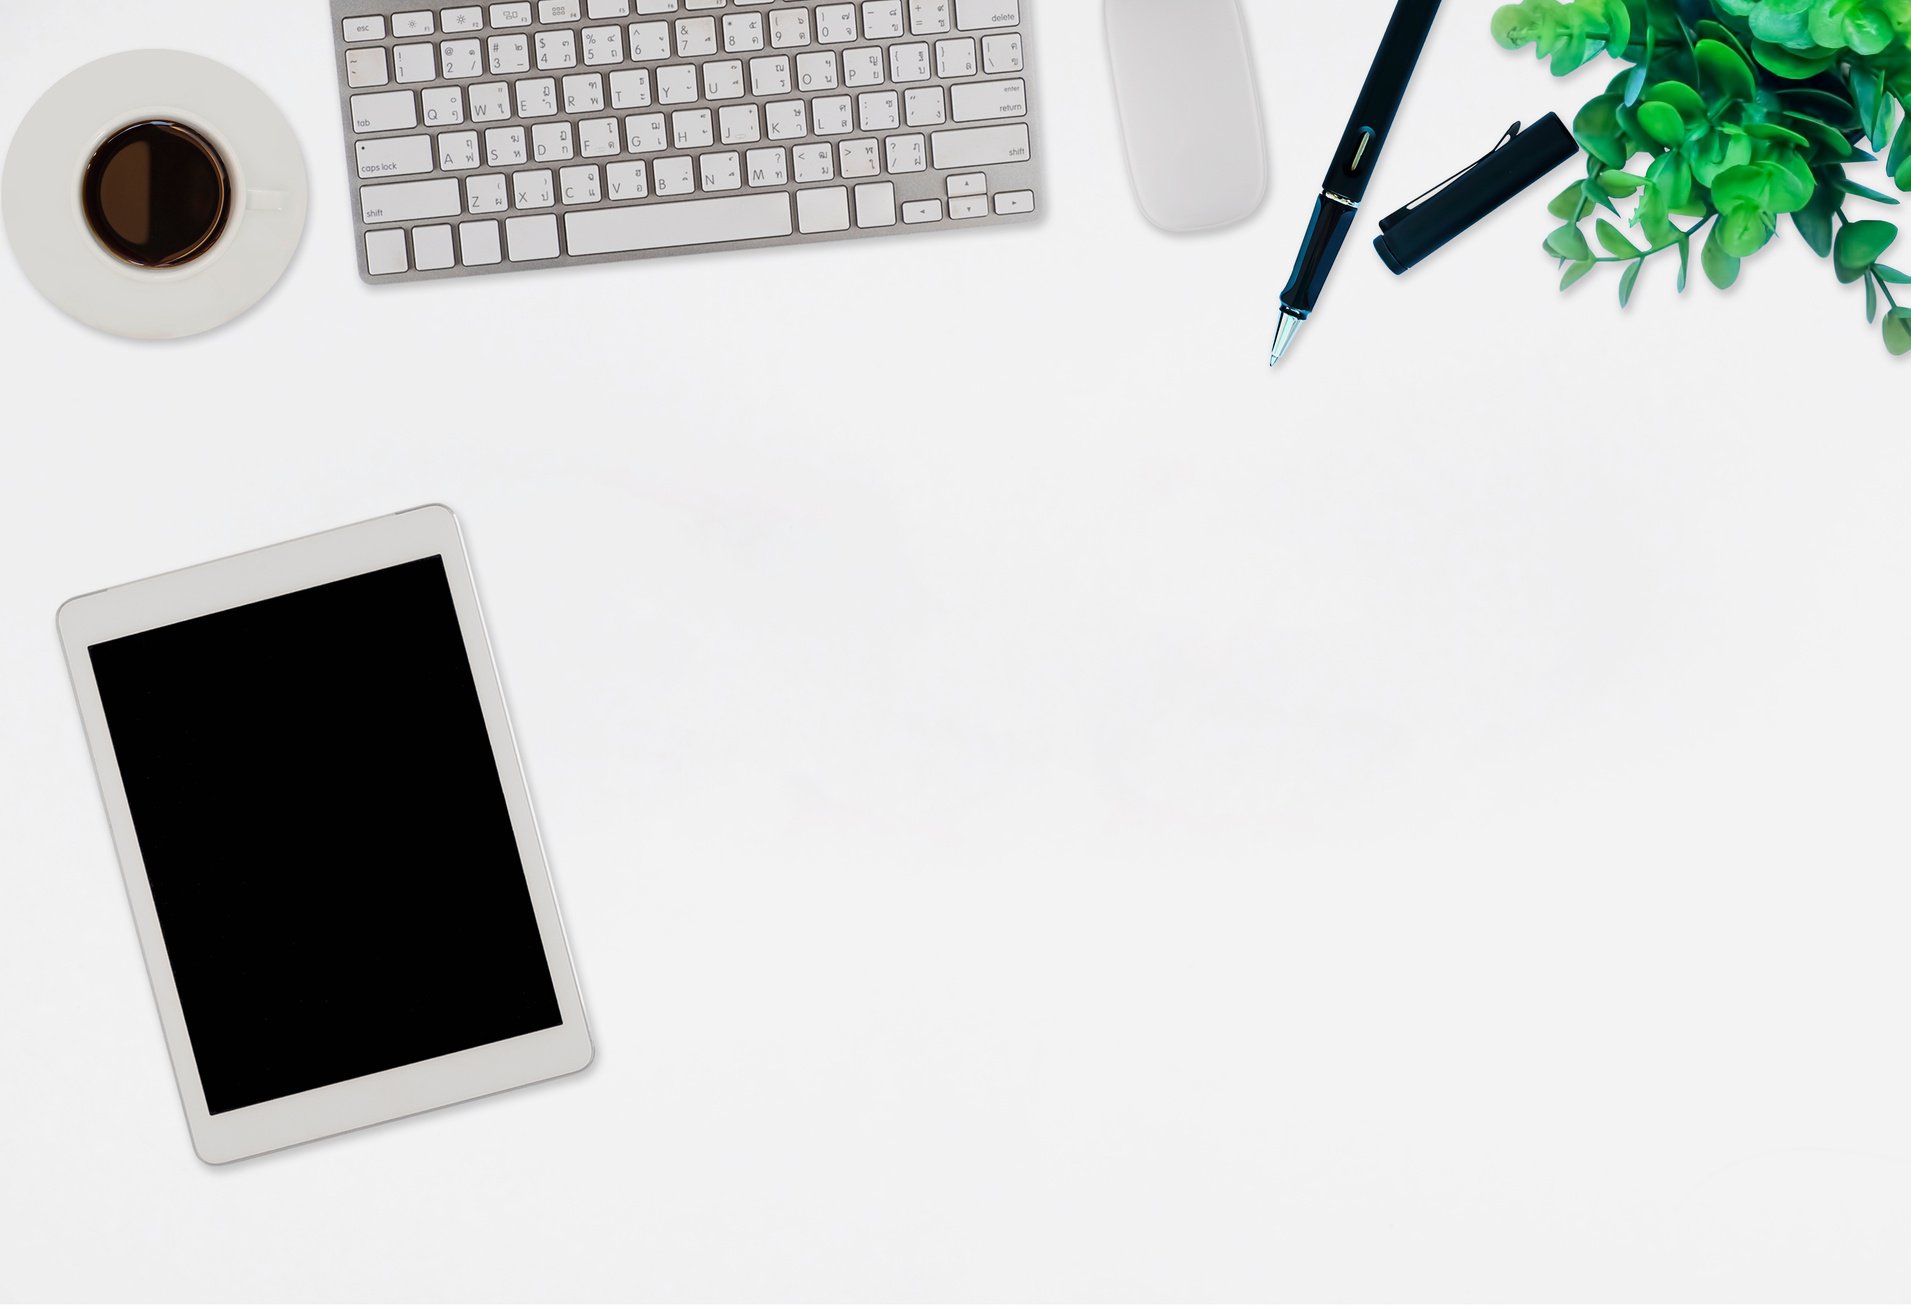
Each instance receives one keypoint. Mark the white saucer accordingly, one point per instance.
(40, 194)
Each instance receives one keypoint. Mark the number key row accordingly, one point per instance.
(879, 19)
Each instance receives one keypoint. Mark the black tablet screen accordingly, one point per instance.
(321, 819)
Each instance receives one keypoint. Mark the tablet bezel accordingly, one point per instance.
(251, 578)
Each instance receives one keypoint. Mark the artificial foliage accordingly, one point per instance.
(1732, 115)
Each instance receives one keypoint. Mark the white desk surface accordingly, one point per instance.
(1043, 808)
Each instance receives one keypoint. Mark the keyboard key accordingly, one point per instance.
(479, 243)
(673, 176)
(981, 15)
(835, 24)
(823, 210)
(1002, 53)
(395, 156)
(418, 23)
(909, 63)
(462, 59)
(385, 253)
(977, 147)
(968, 183)
(721, 171)
(534, 189)
(511, 15)
(408, 201)
(969, 206)
(928, 17)
(814, 163)
(385, 111)
(905, 154)
(767, 167)
(981, 101)
(628, 181)
(858, 159)
(532, 240)
(955, 59)
(444, 106)
(486, 194)
(917, 212)
(876, 205)
(432, 248)
(882, 19)
(597, 9)
(416, 63)
(466, 18)
(364, 29)
(509, 55)
(580, 185)
(602, 46)
(367, 67)
(459, 152)
(670, 226)
(1015, 201)
(924, 107)
(789, 29)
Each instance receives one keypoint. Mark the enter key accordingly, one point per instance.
(989, 101)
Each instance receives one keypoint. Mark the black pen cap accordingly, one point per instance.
(1427, 224)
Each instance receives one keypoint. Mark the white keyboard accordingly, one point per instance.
(494, 137)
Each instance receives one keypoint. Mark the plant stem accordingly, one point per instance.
(1683, 236)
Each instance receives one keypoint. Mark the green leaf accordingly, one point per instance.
(1897, 335)
(1721, 68)
(1743, 231)
(1868, 98)
(1568, 243)
(1858, 246)
(1619, 184)
(1597, 127)
(1721, 269)
(1616, 241)
(1867, 33)
(1685, 262)
(1891, 275)
(1681, 97)
(1661, 122)
(1871, 300)
(1791, 64)
(1786, 23)
(1822, 134)
(1629, 280)
(1715, 31)
(1566, 205)
(1771, 131)
(1814, 221)
(1822, 105)
(1866, 193)
(1635, 84)
(1574, 271)
(1900, 146)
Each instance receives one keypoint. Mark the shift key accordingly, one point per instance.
(407, 201)
(977, 146)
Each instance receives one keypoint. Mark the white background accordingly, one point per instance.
(1043, 807)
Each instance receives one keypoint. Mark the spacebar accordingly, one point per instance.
(667, 226)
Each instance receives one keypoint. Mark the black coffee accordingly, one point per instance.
(157, 194)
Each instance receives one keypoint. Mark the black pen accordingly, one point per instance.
(1346, 183)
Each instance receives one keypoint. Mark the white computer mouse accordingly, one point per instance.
(1190, 113)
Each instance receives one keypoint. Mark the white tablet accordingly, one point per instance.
(325, 834)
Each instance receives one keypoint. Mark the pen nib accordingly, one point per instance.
(1284, 334)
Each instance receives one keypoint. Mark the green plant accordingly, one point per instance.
(1744, 111)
